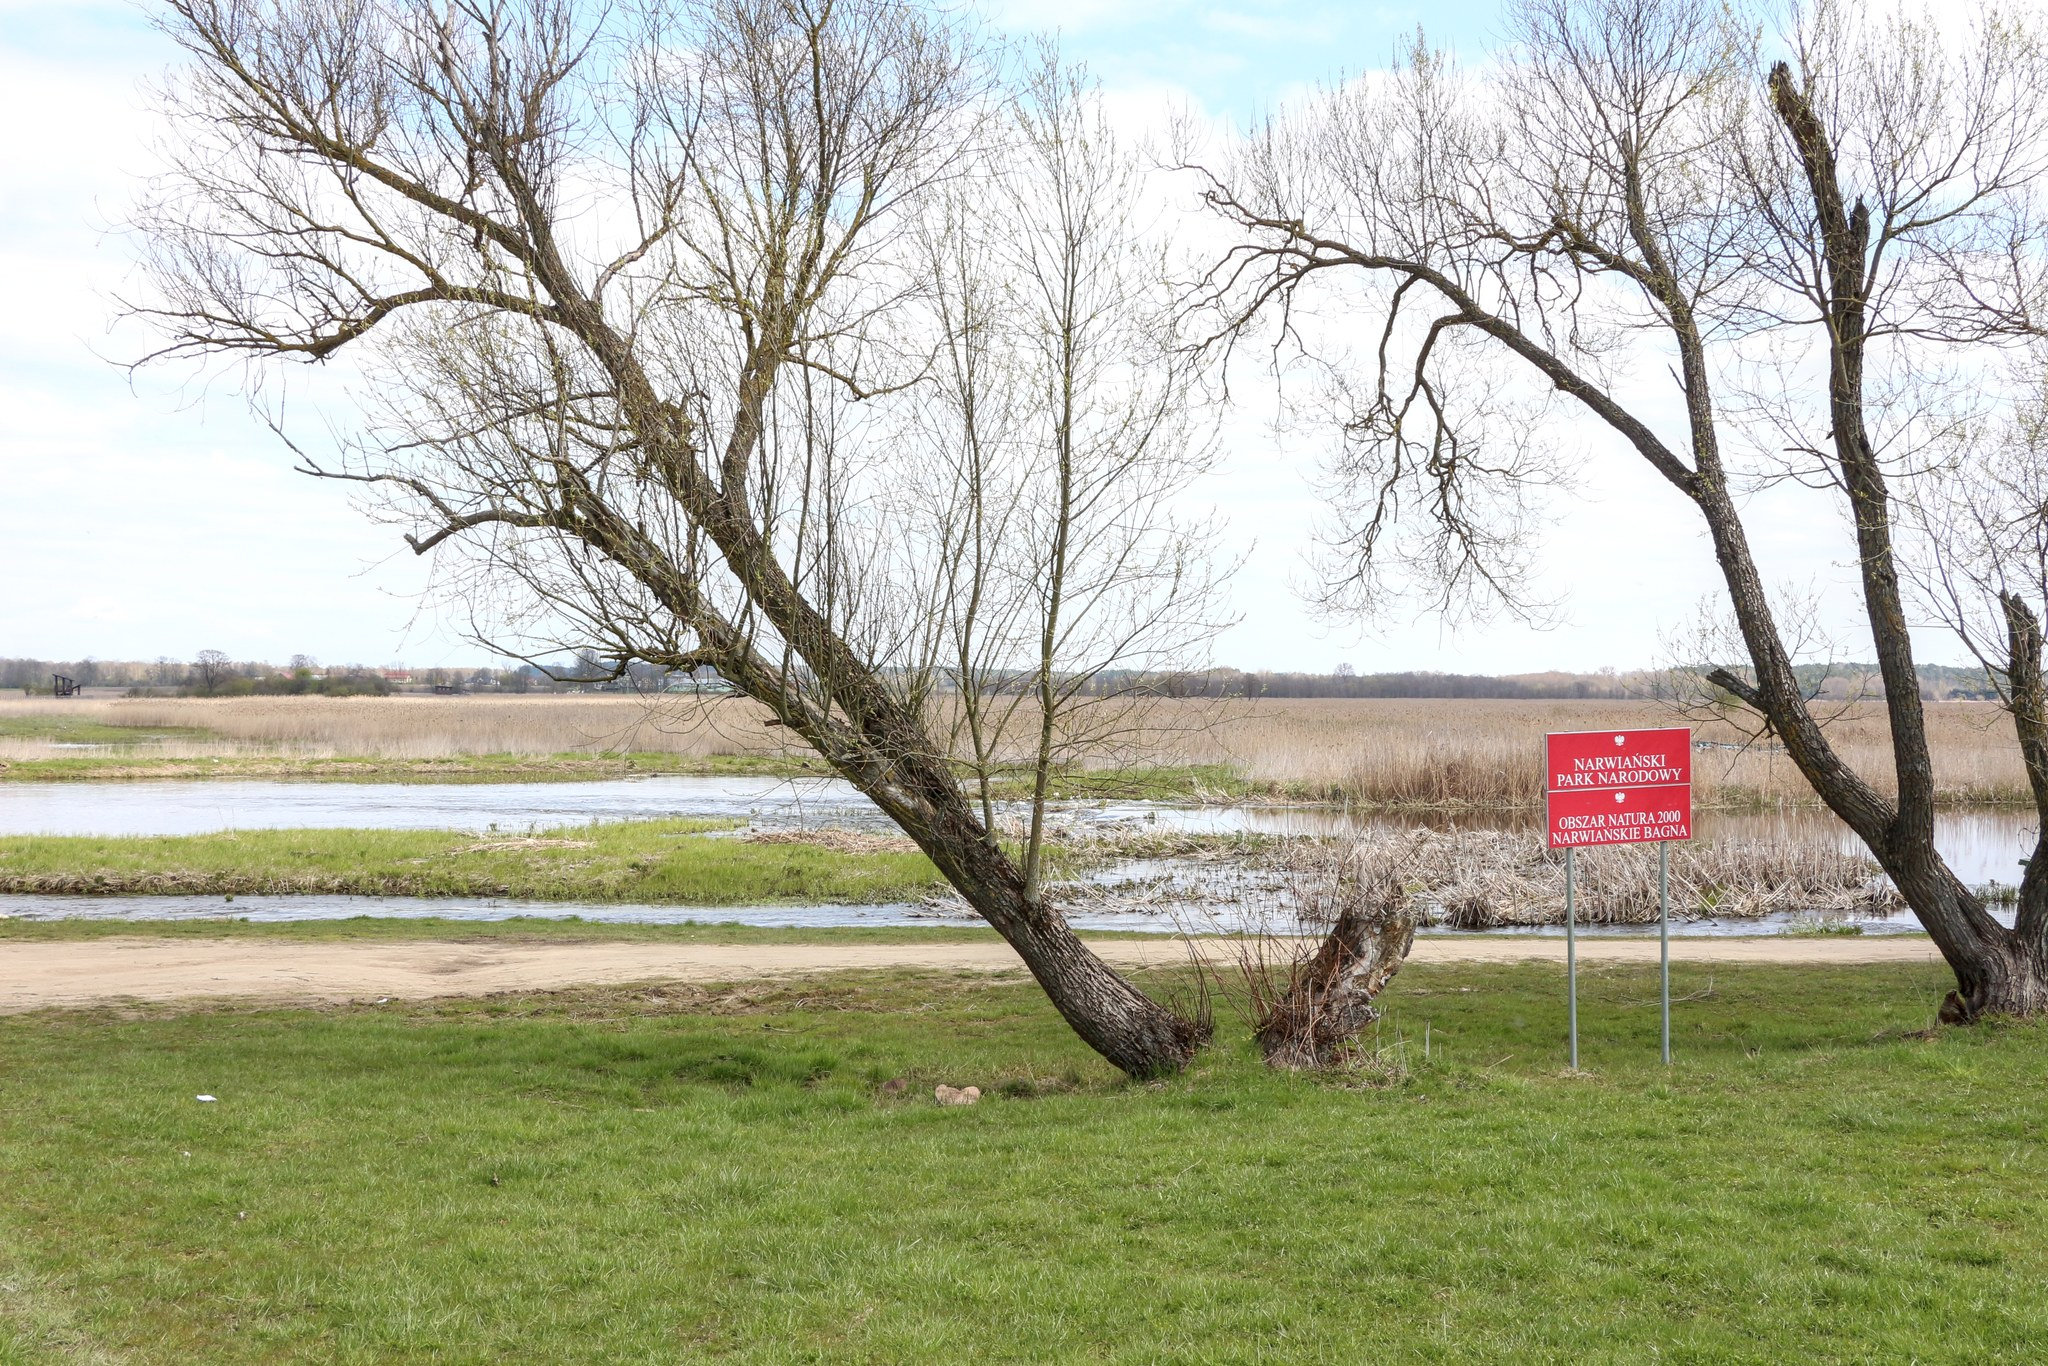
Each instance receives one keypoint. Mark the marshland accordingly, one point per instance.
(1438, 754)
(1208, 814)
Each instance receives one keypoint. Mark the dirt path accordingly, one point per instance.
(89, 972)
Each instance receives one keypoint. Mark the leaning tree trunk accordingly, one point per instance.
(2012, 978)
(1330, 996)
(876, 741)
(883, 749)
(1998, 971)
(1123, 1024)
(588, 423)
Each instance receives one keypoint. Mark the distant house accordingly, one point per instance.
(396, 675)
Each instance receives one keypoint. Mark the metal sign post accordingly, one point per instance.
(1618, 787)
(1571, 956)
(1664, 941)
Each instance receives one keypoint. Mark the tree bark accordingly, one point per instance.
(1998, 971)
(1128, 1028)
(429, 145)
(1331, 997)
(870, 738)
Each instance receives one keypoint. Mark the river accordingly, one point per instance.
(1983, 845)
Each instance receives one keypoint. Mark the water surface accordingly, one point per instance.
(270, 909)
(1982, 845)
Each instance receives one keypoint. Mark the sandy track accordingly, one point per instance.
(92, 972)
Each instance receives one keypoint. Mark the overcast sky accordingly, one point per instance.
(139, 519)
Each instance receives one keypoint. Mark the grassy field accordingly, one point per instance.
(675, 1174)
(674, 862)
(135, 764)
(54, 728)
(1445, 753)
(417, 727)
(1435, 754)
(515, 930)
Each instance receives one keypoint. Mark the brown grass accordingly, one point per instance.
(421, 727)
(1482, 879)
(1450, 753)
(1478, 879)
(1436, 754)
(838, 841)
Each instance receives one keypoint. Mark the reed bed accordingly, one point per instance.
(1424, 754)
(1447, 753)
(416, 727)
(1484, 879)
(1490, 879)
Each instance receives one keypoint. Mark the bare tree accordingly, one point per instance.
(1062, 433)
(1818, 235)
(210, 669)
(634, 295)
(1981, 568)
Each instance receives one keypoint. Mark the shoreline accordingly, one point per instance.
(73, 974)
(1193, 787)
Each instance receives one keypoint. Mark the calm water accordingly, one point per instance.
(1224, 919)
(193, 808)
(1982, 846)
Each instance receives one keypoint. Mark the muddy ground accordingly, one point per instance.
(36, 976)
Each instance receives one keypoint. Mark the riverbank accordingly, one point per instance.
(40, 974)
(1152, 877)
(1202, 784)
(126, 765)
(1192, 784)
(1393, 755)
(662, 862)
(647, 1173)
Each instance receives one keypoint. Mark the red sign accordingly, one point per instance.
(1618, 786)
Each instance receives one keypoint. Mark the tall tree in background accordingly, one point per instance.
(1823, 237)
(210, 669)
(1061, 434)
(638, 297)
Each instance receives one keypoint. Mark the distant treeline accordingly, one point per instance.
(1250, 683)
(1541, 687)
(1938, 682)
(213, 674)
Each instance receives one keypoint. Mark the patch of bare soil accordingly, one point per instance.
(40, 975)
(838, 841)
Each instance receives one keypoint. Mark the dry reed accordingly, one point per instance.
(1446, 753)
(1485, 879)
(1480, 879)
(1423, 754)
(421, 727)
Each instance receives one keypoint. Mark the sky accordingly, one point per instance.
(142, 514)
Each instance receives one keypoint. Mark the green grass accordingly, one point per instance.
(1815, 928)
(523, 929)
(1165, 783)
(671, 862)
(456, 768)
(688, 1174)
(85, 730)
(517, 929)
